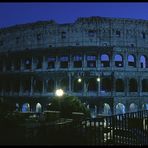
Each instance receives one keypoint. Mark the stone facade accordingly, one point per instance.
(40, 57)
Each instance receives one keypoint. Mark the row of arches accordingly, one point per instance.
(119, 108)
(133, 107)
(26, 107)
(76, 62)
(105, 61)
(119, 60)
(105, 84)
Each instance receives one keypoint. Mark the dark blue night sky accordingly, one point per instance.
(21, 13)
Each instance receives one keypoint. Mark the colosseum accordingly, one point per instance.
(101, 60)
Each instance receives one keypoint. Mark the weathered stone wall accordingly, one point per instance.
(95, 36)
(92, 31)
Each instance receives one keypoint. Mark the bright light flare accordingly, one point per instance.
(79, 80)
(59, 92)
(98, 79)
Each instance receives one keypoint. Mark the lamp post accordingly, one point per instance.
(98, 80)
(59, 93)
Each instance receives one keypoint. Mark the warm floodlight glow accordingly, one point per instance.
(98, 79)
(59, 92)
(79, 80)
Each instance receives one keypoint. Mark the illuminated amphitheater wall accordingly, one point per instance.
(103, 61)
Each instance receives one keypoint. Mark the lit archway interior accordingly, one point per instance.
(107, 109)
(26, 107)
(145, 106)
(120, 108)
(38, 108)
(133, 107)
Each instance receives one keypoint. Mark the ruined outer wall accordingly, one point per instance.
(91, 31)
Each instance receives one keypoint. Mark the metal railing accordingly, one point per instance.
(123, 129)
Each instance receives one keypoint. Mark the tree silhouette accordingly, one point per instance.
(68, 104)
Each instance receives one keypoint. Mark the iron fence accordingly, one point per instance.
(123, 129)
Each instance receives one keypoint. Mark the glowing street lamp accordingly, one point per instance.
(79, 80)
(98, 79)
(59, 92)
